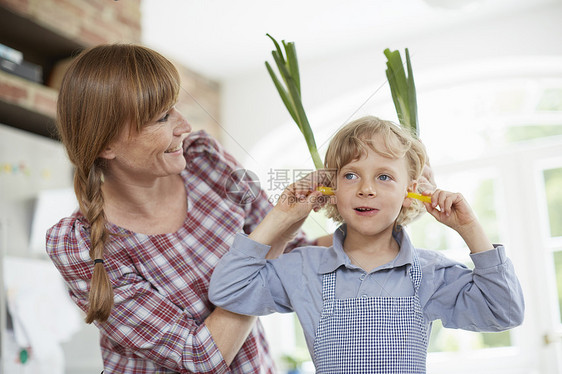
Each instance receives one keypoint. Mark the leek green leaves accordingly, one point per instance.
(290, 91)
(403, 89)
(401, 85)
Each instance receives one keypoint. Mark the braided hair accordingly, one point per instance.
(105, 89)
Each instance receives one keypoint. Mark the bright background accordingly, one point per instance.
(489, 83)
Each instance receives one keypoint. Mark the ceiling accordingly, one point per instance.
(224, 38)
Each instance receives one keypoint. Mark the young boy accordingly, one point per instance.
(366, 304)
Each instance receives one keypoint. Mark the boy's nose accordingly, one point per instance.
(367, 190)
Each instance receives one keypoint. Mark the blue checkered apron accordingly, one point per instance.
(371, 334)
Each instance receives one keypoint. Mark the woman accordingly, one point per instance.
(153, 221)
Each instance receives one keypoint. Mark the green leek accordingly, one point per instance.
(290, 92)
(403, 89)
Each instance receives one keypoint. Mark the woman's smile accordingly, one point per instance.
(175, 149)
(179, 147)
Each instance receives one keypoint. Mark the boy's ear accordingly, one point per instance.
(411, 188)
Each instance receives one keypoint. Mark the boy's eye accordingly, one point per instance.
(384, 177)
(349, 176)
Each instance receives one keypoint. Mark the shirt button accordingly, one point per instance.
(364, 296)
(362, 277)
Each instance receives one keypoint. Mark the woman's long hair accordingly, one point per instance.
(105, 89)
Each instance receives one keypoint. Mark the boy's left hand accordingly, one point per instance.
(451, 209)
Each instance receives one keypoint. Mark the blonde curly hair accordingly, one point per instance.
(350, 143)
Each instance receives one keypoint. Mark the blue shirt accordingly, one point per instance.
(488, 298)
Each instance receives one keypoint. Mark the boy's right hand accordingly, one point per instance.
(297, 200)
(301, 197)
(295, 203)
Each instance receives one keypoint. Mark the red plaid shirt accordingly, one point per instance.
(161, 281)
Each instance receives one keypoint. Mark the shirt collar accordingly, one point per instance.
(334, 256)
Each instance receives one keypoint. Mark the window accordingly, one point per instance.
(552, 179)
(496, 137)
(479, 187)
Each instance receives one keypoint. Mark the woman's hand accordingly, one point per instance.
(426, 182)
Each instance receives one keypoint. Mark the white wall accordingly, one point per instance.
(35, 183)
(251, 107)
(512, 45)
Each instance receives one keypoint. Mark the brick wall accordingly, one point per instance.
(30, 96)
(199, 102)
(91, 22)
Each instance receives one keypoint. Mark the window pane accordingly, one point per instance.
(514, 134)
(448, 340)
(496, 339)
(427, 233)
(478, 186)
(553, 190)
(485, 207)
(479, 189)
(558, 268)
(551, 100)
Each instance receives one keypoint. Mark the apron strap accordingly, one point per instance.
(415, 271)
(329, 286)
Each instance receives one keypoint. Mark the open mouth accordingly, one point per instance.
(364, 209)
